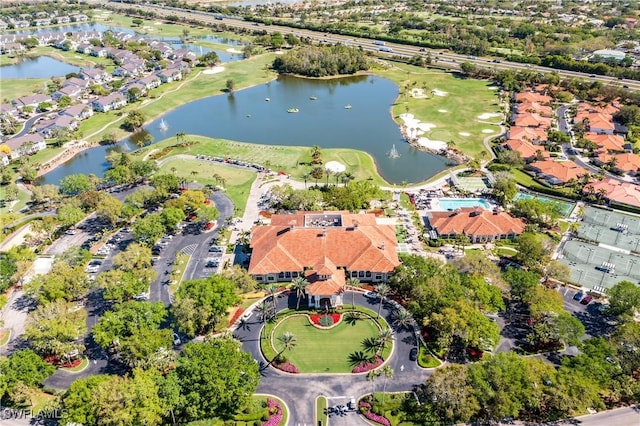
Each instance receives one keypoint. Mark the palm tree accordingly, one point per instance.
(173, 170)
(402, 318)
(354, 283)
(370, 344)
(288, 342)
(383, 290)
(387, 372)
(316, 155)
(264, 309)
(357, 358)
(271, 291)
(299, 284)
(305, 177)
(385, 337)
(371, 377)
(346, 178)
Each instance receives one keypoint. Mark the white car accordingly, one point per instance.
(371, 295)
(93, 266)
(176, 339)
(247, 315)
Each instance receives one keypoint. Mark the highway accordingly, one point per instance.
(441, 58)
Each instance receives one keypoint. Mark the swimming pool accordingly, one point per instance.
(565, 207)
(456, 203)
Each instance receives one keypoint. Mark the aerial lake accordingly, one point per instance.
(350, 112)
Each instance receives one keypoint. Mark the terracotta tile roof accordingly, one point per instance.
(620, 192)
(535, 107)
(597, 120)
(528, 119)
(627, 162)
(328, 287)
(475, 222)
(533, 97)
(609, 108)
(360, 244)
(525, 148)
(564, 171)
(606, 141)
(532, 134)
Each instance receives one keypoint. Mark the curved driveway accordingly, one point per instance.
(299, 391)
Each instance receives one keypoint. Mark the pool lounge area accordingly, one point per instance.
(451, 204)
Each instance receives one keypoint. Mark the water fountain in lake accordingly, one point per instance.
(394, 152)
(163, 126)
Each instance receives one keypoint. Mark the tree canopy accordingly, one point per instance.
(322, 61)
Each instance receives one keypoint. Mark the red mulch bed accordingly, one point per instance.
(265, 214)
(72, 364)
(315, 318)
(377, 212)
(235, 316)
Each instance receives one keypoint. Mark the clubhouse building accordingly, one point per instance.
(326, 248)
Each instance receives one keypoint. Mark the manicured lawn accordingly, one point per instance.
(5, 335)
(466, 99)
(73, 58)
(526, 180)
(177, 273)
(237, 181)
(426, 360)
(505, 251)
(285, 158)
(323, 351)
(321, 411)
(40, 400)
(79, 368)
(14, 88)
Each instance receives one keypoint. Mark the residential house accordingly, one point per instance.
(78, 112)
(12, 48)
(527, 150)
(606, 142)
(534, 135)
(169, 75)
(9, 109)
(4, 159)
(627, 162)
(80, 17)
(476, 223)
(533, 97)
(25, 145)
(150, 81)
(326, 248)
(621, 193)
(596, 122)
(74, 81)
(51, 128)
(98, 51)
(71, 90)
(84, 47)
(31, 101)
(109, 102)
(130, 69)
(529, 119)
(3, 25)
(534, 107)
(95, 75)
(557, 172)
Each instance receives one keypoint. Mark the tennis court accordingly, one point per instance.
(474, 184)
(565, 207)
(597, 267)
(610, 228)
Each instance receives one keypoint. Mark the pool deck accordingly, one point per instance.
(437, 206)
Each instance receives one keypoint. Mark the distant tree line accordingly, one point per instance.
(323, 61)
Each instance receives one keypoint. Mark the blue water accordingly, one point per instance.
(566, 208)
(456, 203)
(40, 67)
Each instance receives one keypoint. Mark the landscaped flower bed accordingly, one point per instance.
(365, 409)
(363, 367)
(275, 413)
(327, 321)
(287, 367)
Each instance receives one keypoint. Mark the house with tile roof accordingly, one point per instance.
(557, 172)
(534, 107)
(533, 97)
(606, 142)
(326, 248)
(532, 134)
(478, 224)
(625, 163)
(617, 192)
(527, 150)
(529, 119)
(596, 122)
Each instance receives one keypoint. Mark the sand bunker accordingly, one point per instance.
(493, 87)
(488, 115)
(464, 134)
(488, 131)
(418, 94)
(157, 23)
(437, 92)
(214, 70)
(443, 111)
(235, 51)
(335, 167)
(431, 144)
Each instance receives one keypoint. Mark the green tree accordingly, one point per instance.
(624, 299)
(504, 187)
(451, 392)
(24, 366)
(522, 283)
(383, 291)
(69, 214)
(354, 283)
(230, 85)
(128, 319)
(216, 378)
(148, 229)
(531, 250)
(134, 121)
(63, 282)
(171, 217)
(109, 209)
(54, 328)
(201, 304)
(75, 184)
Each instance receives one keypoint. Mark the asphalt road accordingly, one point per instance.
(299, 392)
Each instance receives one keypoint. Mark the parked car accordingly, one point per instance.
(371, 295)
(578, 295)
(93, 266)
(70, 232)
(413, 354)
(176, 339)
(247, 315)
(586, 300)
